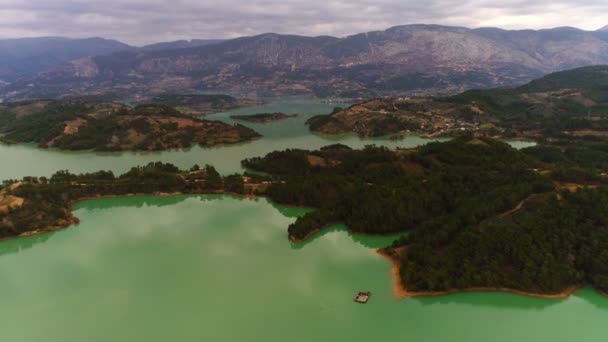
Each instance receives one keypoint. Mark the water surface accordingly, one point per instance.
(23, 160)
(219, 268)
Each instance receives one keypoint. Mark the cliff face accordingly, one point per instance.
(400, 60)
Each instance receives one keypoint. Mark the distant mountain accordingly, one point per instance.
(26, 57)
(605, 28)
(180, 44)
(412, 59)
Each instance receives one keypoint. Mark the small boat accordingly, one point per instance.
(362, 297)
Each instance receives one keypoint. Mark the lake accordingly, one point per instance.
(220, 268)
(27, 160)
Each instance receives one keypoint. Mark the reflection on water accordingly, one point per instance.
(220, 268)
(368, 241)
(17, 245)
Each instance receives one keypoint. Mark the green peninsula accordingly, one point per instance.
(34, 205)
(106, 126)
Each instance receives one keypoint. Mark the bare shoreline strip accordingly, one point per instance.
(402, 292)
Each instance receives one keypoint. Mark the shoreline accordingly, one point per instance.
(73, 220)
(136, 151)
(306, 237)
(318, 230)
(401, 291)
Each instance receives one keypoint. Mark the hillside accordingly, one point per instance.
(180, 44)
(571, 103)
(26, 57)
(102, 126)
(412, 59)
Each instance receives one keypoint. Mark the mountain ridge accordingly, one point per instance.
(25, 57)
(428, 59)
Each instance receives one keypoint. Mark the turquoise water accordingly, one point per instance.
(23, 160)
(219, 268)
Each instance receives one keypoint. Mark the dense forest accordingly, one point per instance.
(479, 213)
(90, 125)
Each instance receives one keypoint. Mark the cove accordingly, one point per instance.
(27, 160)
(220, 268)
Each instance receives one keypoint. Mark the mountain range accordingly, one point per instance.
(26, 57)
(411, 59)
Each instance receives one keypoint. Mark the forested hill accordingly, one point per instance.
(593, 78)
(106, 126)
(565, 105)
(480, 213)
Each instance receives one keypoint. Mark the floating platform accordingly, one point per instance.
(362, 297)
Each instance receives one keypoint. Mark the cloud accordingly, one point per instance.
(145, 21)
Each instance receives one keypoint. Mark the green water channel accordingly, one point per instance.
(27, 160)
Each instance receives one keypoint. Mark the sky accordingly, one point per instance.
(139, 22)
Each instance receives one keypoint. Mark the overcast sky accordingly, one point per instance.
(144, 21)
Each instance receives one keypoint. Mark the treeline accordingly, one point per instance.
(48, 200)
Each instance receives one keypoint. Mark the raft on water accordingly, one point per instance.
(362, 297)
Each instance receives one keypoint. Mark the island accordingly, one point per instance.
(107, 126)
(264, 117)
(562, 105)
(474, 213)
